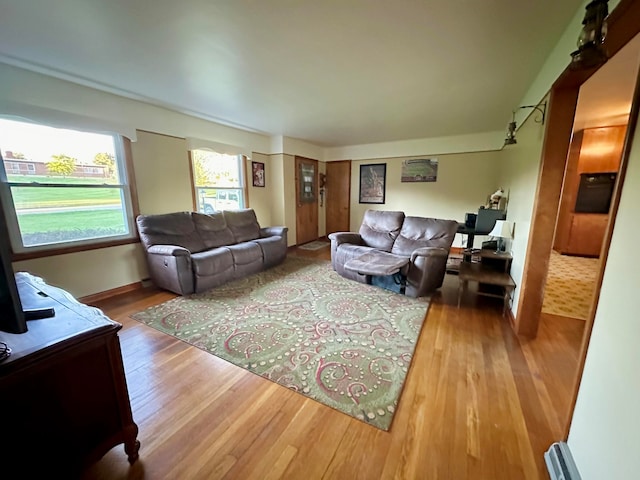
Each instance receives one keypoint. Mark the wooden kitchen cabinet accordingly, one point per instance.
(587, 234)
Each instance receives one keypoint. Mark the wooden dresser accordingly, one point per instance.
(63, 395)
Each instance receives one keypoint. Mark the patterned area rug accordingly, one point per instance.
(315, 245)
(337, 341)
(570, 286)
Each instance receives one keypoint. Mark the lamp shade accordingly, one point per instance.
(502, 229)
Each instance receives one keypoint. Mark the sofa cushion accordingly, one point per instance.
(243, 224)
(274, 249)
(379, 229)
(245, 253)
(247, 259)
(169, 229)
(213, 229)
(212, 262)
(418, 232)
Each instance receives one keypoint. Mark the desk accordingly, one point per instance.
(491, 272)
(470, 232)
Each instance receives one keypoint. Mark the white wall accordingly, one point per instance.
(519, 169)
(478, 142)
(91, 271)
(288, 195)
(260, 197)
(283, 194)
(161, 165)
(605, 431)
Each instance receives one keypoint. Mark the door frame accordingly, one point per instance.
(622, 27)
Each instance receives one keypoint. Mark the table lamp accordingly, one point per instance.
(502, 229)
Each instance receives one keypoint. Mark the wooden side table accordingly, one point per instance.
(63, 392)
(493, 273)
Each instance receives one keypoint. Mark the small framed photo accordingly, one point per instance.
(257, 173)
(372, 182)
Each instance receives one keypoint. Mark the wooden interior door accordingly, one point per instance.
(338, 196)
(306, 200)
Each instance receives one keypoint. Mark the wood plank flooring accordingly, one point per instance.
(478, 403)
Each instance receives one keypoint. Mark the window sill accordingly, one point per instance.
(17, 257)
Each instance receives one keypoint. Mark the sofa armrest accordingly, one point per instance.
(338, 238)
(426, 270)
(274, 243)
(429, 252)
(170, 250)
(273, 231)
(170, 268)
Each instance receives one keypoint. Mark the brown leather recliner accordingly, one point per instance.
(424, 241)
(190, 252)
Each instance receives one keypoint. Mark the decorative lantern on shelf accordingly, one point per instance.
(591, 51)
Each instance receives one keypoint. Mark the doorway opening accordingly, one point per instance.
(556, 148)
(592, 167)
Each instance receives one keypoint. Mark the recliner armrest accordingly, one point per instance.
(170, 250)
(429, 252)
(346, 237)
(273, 231)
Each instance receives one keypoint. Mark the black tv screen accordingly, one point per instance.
(595, 192)
(12, 317)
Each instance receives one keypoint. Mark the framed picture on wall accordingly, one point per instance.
(257, 173)
(419, 170)
(372, 182)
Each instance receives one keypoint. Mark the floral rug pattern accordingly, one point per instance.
(337, 341)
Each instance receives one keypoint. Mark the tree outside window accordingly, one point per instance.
(218, 181)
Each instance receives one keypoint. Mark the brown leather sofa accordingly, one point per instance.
(425, 242)
(190, 252)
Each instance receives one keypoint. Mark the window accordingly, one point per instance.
(51, 202)
(218, 181)
(12, 167)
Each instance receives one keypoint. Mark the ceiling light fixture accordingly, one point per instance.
(591, 51)
(511, 127)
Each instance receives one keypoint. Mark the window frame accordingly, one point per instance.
(242, 161)
(130, 204)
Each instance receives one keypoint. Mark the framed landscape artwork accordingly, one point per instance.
(257, 172)
(372, 182)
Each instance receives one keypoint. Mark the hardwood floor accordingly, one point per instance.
(478, 403)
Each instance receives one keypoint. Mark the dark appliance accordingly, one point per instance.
(12, 318)
(595, 192)
(487, 219)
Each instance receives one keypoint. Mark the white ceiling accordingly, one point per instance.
(331, 72)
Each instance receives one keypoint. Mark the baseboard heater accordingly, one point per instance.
(560, 464)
